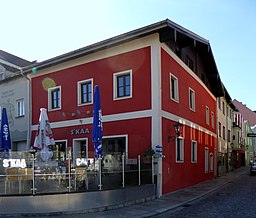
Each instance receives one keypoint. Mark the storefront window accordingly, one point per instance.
(113, 148)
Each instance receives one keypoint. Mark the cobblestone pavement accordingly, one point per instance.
(165, 203)
(235, 199)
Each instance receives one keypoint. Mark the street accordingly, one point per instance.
(236, 199)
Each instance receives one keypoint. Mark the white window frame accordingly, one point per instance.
(211, 162)
(20, 103)
(50, 90)
(79, 96)
(192, 101)
(179, 155)
(175, 88)
(206, 159)
(115, 76)
(213, 123)
(207, 115)
(120, 136)
(74, 153)
(193, 151)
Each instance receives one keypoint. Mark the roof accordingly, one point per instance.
(10, 58)
(247, 113)
(167, 30)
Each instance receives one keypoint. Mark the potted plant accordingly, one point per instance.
(147, 156)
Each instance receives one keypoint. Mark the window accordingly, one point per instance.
(224, 132)
(213, 120)
(223, 107)
(219, 103)
(193, 151)
(113, 148)
(219, 129)
(179, 150)
(190, 63)
(54, 96)
(174, 88)
(59, 150)
(85, 92)
(229, 135)
(211, 162)
(206, 160)
(191, 99)
(20, 108)
(207, 115)
(80, 150)
(123, 85)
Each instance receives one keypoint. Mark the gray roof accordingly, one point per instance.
(10, 58)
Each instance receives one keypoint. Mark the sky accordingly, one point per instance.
(43, 29)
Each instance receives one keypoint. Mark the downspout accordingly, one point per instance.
(29, 109)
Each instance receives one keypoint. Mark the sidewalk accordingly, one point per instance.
(153, 207)
(172, 200)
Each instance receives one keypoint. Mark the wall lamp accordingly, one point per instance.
(178, 131)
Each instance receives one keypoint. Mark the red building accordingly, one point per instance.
(149, 79)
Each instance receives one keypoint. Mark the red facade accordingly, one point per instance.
(133, 117)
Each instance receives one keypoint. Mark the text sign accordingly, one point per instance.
(16, 163)
(79, 131)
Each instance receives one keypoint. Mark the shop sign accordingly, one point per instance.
(81, 161)
(19, 163)
(79, 131)
(84, 162)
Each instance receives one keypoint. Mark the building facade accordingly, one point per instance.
(15, 97)
(150, 79)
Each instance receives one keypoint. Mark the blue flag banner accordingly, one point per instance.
(5, 132)
(97, 124)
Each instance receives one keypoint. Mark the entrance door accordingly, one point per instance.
(80, 149)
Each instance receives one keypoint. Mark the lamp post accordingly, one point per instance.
(178, 127)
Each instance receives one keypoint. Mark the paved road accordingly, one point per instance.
(236, 199)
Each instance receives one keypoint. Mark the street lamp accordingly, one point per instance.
(178, 127)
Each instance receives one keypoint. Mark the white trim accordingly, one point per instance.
(79, 97)
(207, 115)
(20, 104)
(181, 150)
(106, 118)
(78, 140)
(50, 90)
(117, 74)
(156, 99)
(193, 142)
(119, 136)
(186, 122)
(193, 106)
(176, 88)
(206, 160)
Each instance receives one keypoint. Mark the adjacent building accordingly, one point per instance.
(15, 97)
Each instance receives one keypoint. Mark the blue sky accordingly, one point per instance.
(42, 29)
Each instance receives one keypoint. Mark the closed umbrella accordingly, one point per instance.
(97, 124)
(44, 136)
(5, 141)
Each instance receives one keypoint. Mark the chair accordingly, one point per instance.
(11, 177)
(17, 175)
(81, 175)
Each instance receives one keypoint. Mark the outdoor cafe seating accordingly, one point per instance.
(24, 173)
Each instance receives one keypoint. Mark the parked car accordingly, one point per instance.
(253, 169)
